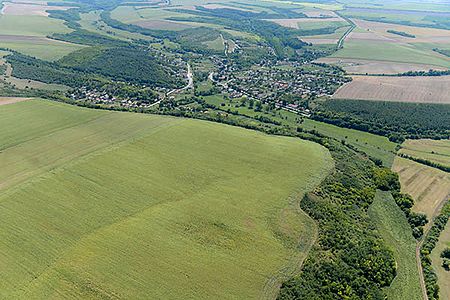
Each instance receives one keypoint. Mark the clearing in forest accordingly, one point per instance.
(136, 206)
(433, 89)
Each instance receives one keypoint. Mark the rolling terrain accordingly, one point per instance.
(99, 204)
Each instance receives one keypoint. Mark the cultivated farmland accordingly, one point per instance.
(99, 204)
(433, 150)
(429, 187)
(404, 89)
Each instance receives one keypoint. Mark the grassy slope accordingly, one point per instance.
(374, 145)
(127, 205)
(396, 232)
(35, 26)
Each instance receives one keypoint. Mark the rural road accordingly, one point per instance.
(190, 77)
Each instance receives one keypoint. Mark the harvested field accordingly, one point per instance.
(434, 150)
(162, 25)
(362, 66)
(428, 186)
(402, 89)
(221, 6)
(294, 23)
(29, 9)
(319, 13)
(12, 100)
(423, 35)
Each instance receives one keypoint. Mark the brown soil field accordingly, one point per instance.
(362, 66)
(423, 35)
(434, 150)
(11, 100)
(428, 186)
(162, 25)
(404, 89)
(29, 8)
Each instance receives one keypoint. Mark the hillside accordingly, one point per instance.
(180, 206)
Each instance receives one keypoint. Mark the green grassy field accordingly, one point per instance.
(99, 204)
(376, 50)
(396, 232)
(443, 275)
(374, 145)
(46, 49)
(31, 25)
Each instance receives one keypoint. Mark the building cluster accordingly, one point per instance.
(97, 97)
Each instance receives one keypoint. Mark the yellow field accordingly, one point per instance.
(428, 186)
(406, 89)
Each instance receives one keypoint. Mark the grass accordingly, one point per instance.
(396, 232)
(100, 204)
(443, 275)
(434, 150)
(46, 50)
(31, 25)
(374, 145)
(216, 44)
(382, 51)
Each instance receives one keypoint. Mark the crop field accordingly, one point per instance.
(32, 8)
(428, 186)
(443, 275)
(165, 204)
(389, 53)
(370, 48)
(396, 232)
(28, 35)
(403, 89)
(433, 150)
(363, 66)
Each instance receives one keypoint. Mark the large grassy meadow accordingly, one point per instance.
(98, 204)
(396, 232)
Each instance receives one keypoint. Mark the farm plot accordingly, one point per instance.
(100, 204)
(364, 66)
(428, 186)
(371, 41)
(433, 150)
(403, 89)
(36, 8)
